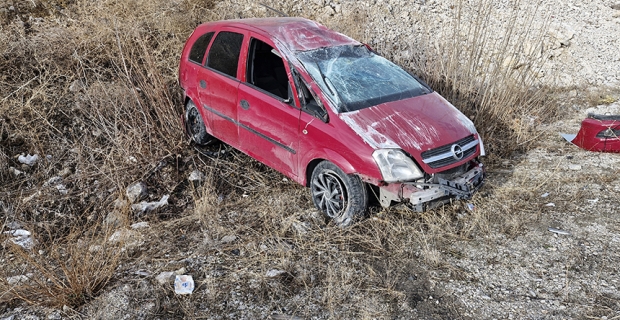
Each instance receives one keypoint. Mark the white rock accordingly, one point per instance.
(115, 218)
(15, 171)
(574, 167)
(274, 273)
(21, 238)
(196, 175)
(228, 239)
(120, 235)
(562, 34)
(136, 191)
(165, 277)
(62, 189)
(15, 280)
(140, 225)
(53, 181)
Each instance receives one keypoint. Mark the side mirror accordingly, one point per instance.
(317, 111)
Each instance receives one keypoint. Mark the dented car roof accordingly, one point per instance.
(296, 34)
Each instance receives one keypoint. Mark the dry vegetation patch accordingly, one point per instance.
(91, 88)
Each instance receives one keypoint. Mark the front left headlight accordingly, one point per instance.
(396, 166)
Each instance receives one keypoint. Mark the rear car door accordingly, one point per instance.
(267, 111)
(219, 82)
(190, 75)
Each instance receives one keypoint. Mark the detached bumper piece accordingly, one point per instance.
(425, 196)
(598, 133)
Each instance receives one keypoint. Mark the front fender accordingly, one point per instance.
(310, 160)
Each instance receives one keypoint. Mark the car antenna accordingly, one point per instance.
(282, 14)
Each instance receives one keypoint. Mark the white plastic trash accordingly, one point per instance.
(29, 160)
(183, 284)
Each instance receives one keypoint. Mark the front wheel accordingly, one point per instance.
(195, 126)
(341, 197)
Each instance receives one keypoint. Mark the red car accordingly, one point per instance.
(328, 112)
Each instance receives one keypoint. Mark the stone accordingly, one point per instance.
(15, 280)
(140, 225)
(136, 191)
(196, 176)
(114, 218)
(54, 315)
(563, 34)
(15, 171)
(228, 239)
(274, 273)
(165, 277)
(120, 235)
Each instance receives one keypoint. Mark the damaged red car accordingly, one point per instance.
(328, 112)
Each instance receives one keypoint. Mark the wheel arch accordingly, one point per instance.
(327, 155)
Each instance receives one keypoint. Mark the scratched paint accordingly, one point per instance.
(370, 135)
(415, 124)
(297, 34)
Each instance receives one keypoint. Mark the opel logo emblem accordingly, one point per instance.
(457, 152)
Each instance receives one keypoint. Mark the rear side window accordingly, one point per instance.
(224, 53)
(197, 53)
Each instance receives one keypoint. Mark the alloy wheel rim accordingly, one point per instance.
(193, 122)
(329, 193)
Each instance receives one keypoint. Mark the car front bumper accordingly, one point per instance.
(424, 196)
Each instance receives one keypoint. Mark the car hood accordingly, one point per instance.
(415, 125)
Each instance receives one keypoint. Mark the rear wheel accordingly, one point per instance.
(341, 197)
(195, 126)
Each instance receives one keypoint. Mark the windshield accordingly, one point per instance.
(355, 78)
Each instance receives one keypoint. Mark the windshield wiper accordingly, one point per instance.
(324, 78)
(329, 87)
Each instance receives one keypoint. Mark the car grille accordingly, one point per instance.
(443, 156)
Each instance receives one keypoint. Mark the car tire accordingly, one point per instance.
(341, 197)
(195, 126)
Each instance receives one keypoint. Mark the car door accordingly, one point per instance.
(219, 81)
(191, 75)
(267, 111)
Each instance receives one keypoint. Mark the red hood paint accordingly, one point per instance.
(415, 125)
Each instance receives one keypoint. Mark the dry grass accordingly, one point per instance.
(92, 90)
(94, 87)
(495, 81)
(62, 272)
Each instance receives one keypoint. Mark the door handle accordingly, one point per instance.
(245, 105)
(203, 84)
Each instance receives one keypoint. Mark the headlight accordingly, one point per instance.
(395, 166)
(482, 152)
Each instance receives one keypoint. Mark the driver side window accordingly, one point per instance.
(266, 70)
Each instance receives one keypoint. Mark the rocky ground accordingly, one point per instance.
(541, 242)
